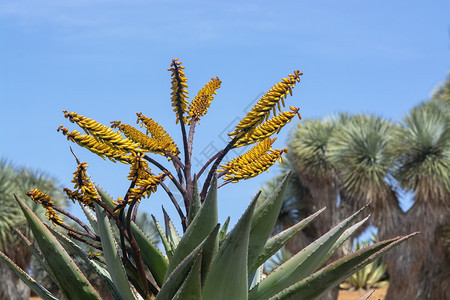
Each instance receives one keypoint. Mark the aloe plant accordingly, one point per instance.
(371, 275)
(207, 261)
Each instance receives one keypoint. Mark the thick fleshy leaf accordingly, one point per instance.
(95, 266)
(191, 287)
(172, 235)
(210, 248)
(203, 223)
(33, 284)
(37, 255)
(223, 230)
(301, 264)
(347, 234)
(167, 246)
(151, 255)
(228, 276)
(109, 201)
(264, 219)
(90, 217)
(176, 278)
(111, 253)
(255, 277)
(72, 282)
(334, 273)
(276, 242)
(195, 204)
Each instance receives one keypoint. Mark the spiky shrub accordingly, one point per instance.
(206, 262)
(372, 275)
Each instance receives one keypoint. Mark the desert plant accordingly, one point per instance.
(207, 261)
(372, 275)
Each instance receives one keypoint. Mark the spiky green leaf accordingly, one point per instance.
(72, 282)
(231, 259)
(223, 230)
(33, 284)
(276, 242)
(111, 253)
(191, 287)
(329, 276)
(151, 255)
(301, 264)
(203, 223)
(95, 266)
(176, 278)
(195, 204)
(264, 219)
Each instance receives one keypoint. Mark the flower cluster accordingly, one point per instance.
(158, 133)
(124, 143)
(143, 182)
(145, 142)
(85, 192)
(179, 92)
(268, 102)
(267, 129)
(255, 161)
(102, 133)
(46, 201)
(89, 142)
(202, 100)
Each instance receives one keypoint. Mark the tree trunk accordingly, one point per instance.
(324, 194)
(419, 268)
(11, 286)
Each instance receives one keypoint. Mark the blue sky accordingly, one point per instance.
(108, 60)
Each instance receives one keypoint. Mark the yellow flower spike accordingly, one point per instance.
(85, 191)
(267, 103)
(46, 201)
(146, 186)
(101, 149)
(202, 100)
(102, 133)
(158, 133)
(255, 167)
(179, 92)
(251, 155)
(268, 128)
(145, 142)
(138, 168)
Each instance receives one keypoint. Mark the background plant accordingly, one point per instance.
(345, 161)
(372, 275)
(15, 179)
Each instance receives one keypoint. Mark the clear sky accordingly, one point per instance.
(108, 60)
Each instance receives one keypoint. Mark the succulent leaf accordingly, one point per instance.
(37, 254)
(264, 219)
(177, 277)
(112, 257)
(27, 279)
(71, 280)
(301, 264)
(329, 276)
(102, 272)
(172, 235)
(231, 259)
(276, 242)
(191, 287)
(223, 230)
(167, 246)
(203, 223)
(151, 255)
(195, 204)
